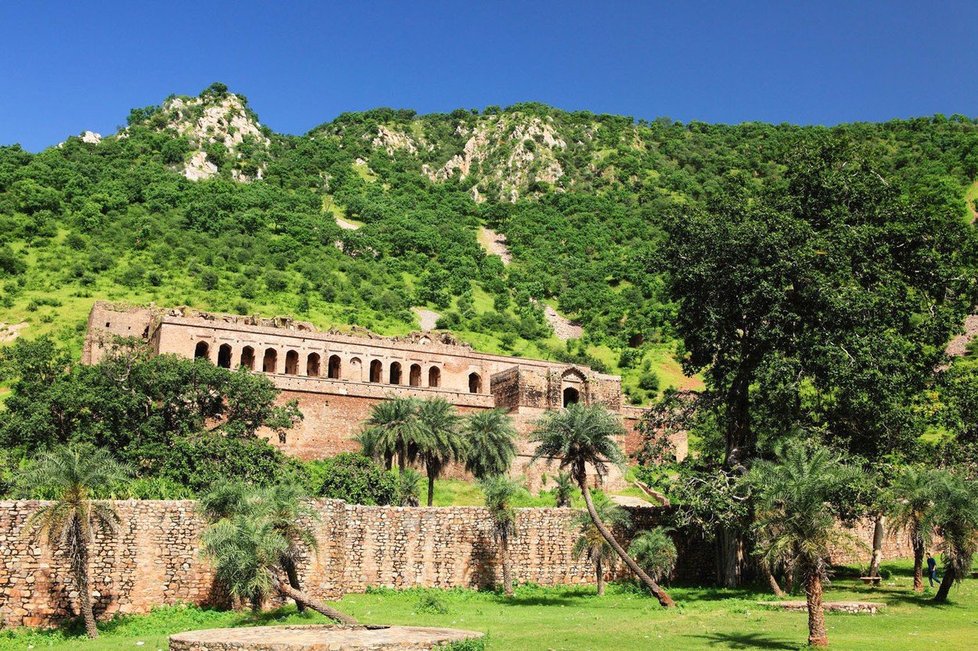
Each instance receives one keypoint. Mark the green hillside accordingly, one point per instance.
(373, 214)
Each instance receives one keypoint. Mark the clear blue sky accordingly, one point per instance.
(70, 66)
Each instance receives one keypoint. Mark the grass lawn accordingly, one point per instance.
(576, 619)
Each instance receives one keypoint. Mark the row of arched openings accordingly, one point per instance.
(313, 363)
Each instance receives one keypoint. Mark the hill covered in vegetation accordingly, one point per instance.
(374, 215)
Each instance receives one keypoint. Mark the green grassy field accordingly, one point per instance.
(576, 619)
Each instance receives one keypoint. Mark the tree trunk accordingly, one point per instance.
(731, 556)
(599, 572)
(314, 604)
(817, 635)
(293, 574)
(401, 460)
(878, 530)
(941, 596)
(918, 561)
(507, 565)
(431, 489)
(81, 579)
(664, 599)
(771, 581)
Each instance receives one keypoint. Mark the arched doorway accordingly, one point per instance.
(333, 370)
(571, 396)
(434, 376)
(270, 361)
(312, 365)
(224, 356)
(376, 371)
(248, 358)
(414, 378)
(201, 350)
(395, 375)
(291, 363)
(475, 383)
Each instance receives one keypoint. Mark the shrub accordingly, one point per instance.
(649, 381)
(655, 552)
(354, 478)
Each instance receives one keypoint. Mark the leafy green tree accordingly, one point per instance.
(439, 439)
(911, 510)
(499, 492)
(579, 436)
(71, 474)
(955, 516)
(591, 544)
(353, 478)
(655, 551)
(491, 443)
(563, 489)
(795, 519)
(391, 431)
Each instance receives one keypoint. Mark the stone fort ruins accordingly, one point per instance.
(338, 377)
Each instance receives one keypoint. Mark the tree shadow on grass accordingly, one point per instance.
(746, 641)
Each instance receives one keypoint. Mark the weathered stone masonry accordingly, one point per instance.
(337, 378)
(154, 558)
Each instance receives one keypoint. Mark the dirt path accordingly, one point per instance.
(563, 327)
(345, 225)
(959, 345)
(10, 332)
(495, 244)
(427, 318)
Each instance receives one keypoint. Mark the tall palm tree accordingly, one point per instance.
(438, 439)
(281, 505)
(491, 440)
(591, 543)
(71, 474)
(499, 492)
(580, 435)
(654, 550)
(391, 431)
(956, 517)
(247, 551)
(911, 508)
(795, 519)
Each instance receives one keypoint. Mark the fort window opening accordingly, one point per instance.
(475, 383)
(291, 363)
(376, 371)
(312, 365)
(395, 377)
(333, 371)
(355, 372)
(202, 350)
(248, 358)
(414, 379)
(270, 363)
(434, 376)
(571, 396)
(224, 356)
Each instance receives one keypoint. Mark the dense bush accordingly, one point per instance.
(354, 478)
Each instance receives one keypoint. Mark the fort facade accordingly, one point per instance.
(337, 378)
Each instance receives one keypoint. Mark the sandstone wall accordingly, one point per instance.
(153, 558)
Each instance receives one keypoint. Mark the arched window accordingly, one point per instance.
(334, 367)
(248, 358)
(376, 371)
(475, 383)
(354, 371)
(291, 363)
(224, 356)
(270, 363)
(395, 377)
(312, 365)
(414, 378)
(434, 376)
(202, 350)
(571, 396)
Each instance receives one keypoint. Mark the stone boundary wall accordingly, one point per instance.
(153, 559)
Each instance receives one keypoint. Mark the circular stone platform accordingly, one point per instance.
(318, 638)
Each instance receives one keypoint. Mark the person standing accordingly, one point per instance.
(932, 570)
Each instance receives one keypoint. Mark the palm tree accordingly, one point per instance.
(409, 488)
(391, 431)
(591, 543)
(563, 488)
(282, 505)
(654, 550)
(247, 551)
(72, 473)
(580, 435)
(499, 492)
(795, 519)
(912, 505)
(956, 517)
(491, 440)
(438, 440)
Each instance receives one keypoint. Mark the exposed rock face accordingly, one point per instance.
(959, 345)
(10, 332)
(391, 140)
(91, 137)
(495, 244)
(206, 120)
